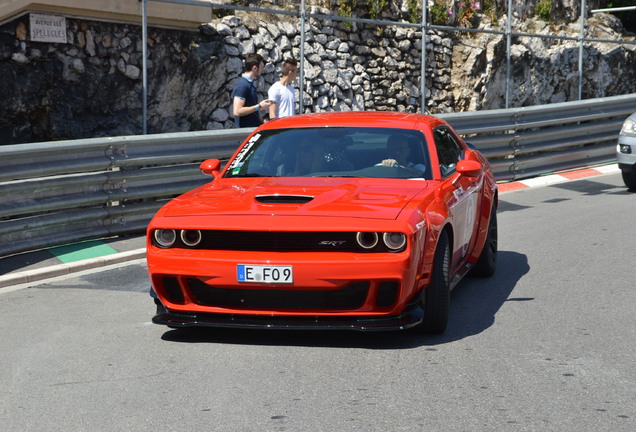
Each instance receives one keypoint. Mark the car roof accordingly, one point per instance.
(388, 119)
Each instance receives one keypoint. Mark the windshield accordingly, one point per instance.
(333, 152)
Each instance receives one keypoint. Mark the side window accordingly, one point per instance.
(449, 151)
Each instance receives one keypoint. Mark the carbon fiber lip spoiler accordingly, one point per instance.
(410, 318)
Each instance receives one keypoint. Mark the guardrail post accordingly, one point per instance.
(301, 78)
(424, 31)
(582, 37)
(144, 61)
(514, 149)
(508, 47)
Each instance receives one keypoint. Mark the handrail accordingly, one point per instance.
(53, 193)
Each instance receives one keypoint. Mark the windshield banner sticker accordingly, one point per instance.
(238, 160)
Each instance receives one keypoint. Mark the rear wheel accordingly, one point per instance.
(487, 262)
(436, 296)
(629, 177)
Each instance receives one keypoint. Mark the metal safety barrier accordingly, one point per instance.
(60, 192)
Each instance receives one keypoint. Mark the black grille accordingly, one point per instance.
(350, 297)
(279, 241)
(268, 241)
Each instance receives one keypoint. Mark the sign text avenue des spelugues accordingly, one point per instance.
(48, 28)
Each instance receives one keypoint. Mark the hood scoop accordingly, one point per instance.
(283, 199)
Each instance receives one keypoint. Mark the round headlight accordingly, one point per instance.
(165, 238)
(394, 241)
(367, 240)
(191, 237)
(629, 128)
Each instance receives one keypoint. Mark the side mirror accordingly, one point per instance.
(470, 168)
(211, 167)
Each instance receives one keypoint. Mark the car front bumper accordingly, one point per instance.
(410, 317)
(626, 161)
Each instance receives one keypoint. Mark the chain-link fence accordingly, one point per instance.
(305, 16)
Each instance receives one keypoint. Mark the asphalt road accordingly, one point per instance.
(547, 344)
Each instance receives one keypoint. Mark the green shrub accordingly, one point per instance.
(440, 15)
(375, 7)
(414, 10)
(345, 9)
(544, 10)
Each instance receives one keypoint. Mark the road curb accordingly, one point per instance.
(561, 177)
(36, 275)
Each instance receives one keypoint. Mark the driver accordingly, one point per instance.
(398, 152)
(310, 157)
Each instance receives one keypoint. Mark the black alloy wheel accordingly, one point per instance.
(436, 296)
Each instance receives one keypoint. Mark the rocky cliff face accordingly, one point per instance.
(92, 86)
(542, 70)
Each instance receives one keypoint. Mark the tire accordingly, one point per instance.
(436, 296)
(487, 262)
(629, 178)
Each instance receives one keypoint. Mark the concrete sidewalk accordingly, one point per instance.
(60, 260)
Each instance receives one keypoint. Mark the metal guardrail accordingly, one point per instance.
(525, 142)
(55, 193)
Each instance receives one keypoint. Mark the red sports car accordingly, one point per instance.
(356, 220)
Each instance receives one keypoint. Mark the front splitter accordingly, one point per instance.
(409, 318)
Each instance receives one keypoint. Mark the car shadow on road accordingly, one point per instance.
(474, 304)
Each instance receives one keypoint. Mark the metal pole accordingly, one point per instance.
(618, 9)
(144, 63)
(583, 7)
(301, 78)
(508, 45)
(423, 72)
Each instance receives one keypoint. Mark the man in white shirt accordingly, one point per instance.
(281, 93)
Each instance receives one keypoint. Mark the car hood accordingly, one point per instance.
(338, 197)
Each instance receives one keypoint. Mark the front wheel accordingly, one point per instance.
(436, 296)
(629, 178)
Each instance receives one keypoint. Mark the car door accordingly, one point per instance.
(459, 193)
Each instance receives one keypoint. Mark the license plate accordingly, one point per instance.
(264, 273)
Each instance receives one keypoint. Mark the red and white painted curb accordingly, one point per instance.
(561, 177)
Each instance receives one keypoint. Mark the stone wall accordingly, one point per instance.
(345, 69)
(92, 86)
(89, 87)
